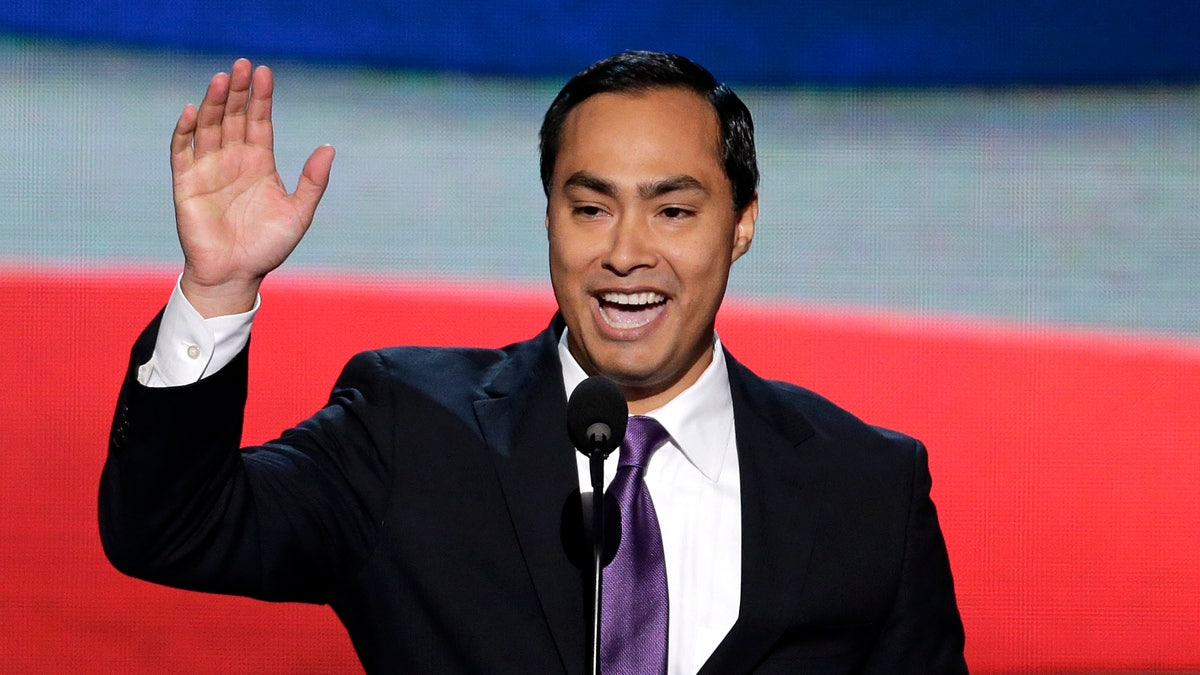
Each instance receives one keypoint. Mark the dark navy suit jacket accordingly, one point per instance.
(426, 504)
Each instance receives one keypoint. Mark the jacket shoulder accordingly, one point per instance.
(823, 413)
(453, 376)
(801, 414)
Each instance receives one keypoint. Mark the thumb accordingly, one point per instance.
(314, 178)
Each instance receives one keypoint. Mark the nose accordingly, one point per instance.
(630, 246)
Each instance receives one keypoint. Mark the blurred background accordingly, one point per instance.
(978, 226)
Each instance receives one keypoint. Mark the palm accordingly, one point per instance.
(234, 216)
(236, 220)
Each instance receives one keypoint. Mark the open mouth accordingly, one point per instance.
(631, 310)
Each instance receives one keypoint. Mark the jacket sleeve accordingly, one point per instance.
(924, 633)
(180, 504)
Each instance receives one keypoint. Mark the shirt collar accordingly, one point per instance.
(699, 419)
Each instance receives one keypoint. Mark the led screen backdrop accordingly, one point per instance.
(978, 226)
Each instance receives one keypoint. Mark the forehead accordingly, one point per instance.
(665, 130)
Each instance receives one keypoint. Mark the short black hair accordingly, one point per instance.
(640, 71)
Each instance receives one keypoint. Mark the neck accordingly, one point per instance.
(642, 400)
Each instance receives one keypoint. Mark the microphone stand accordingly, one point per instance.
(596, 463)
(596, 419)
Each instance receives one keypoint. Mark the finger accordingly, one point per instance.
(208, 119)
(181, 140)
(259, 130)
(313, 181)
(233, 124)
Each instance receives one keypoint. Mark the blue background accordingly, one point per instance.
(893, 42)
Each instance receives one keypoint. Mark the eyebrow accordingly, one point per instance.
(650, 190)
(671, 184)
(588, 181)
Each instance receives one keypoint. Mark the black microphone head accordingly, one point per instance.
(595, 404)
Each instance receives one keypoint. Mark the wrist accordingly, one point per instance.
(222, 299)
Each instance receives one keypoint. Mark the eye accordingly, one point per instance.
(677, 212)
(587, 211)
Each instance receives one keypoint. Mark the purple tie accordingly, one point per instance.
(633, 622)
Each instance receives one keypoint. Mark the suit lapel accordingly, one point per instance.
(779, 520)
(523, 420)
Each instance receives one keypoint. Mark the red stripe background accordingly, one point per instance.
(1066, 464)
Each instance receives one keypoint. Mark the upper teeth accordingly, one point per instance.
(645, 298)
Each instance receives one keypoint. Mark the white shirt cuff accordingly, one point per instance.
(190, 347)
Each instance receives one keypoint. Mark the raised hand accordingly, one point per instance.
(235, 217)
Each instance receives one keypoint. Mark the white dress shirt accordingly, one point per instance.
(693, 479)
(694, 482)
(190, 347)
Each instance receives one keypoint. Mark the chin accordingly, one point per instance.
(631, 371)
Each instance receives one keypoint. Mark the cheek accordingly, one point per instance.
(560, 251)
(702, 265)
(564, 262)
(569, 264)
(574, 253)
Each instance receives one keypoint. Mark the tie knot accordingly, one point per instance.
(642, 437)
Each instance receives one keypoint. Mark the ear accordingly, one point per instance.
(743, 230)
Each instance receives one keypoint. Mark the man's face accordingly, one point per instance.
(642, 234)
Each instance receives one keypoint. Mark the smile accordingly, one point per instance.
(626, 311)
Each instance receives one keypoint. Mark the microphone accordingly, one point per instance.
(597, 415)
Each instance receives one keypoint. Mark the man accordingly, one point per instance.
(426, 502)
